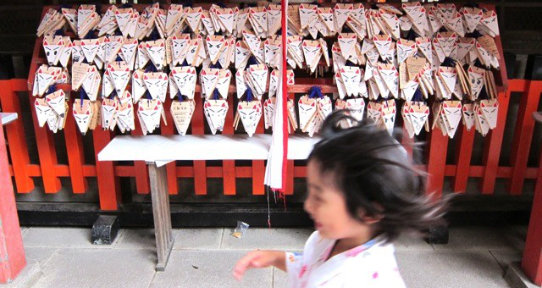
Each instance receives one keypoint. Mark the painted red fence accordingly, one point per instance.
(13, 92)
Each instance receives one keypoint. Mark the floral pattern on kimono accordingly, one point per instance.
(371, 265)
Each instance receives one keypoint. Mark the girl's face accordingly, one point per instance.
(326, 205)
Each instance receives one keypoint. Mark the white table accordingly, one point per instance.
(7, 118)
(157, 150)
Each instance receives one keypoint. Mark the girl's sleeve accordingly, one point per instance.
(294, 262)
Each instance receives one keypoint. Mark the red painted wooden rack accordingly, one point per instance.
(12, 92)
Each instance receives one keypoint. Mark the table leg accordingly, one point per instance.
(161, 214)
(12, 257)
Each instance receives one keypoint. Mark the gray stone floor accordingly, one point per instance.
(64, 257)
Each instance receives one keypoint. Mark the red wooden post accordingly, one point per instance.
(12, 257)
(493, 144)
(258, 169)
(532, 254)
(436, 164)
(16, 137)
(523, 136)
(198, 128)
(47, 155)
(228, 166)
(463, 157)
(171, 168)
(141, 171)
(76, 158)
(290, 178)
(108, 184)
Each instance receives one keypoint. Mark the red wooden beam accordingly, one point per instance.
(76, 158)
(290, 178)
(493, 146)
(463, 157)
(12, 257)
(523, 136)
(142, 173)
(16, 137)
(258, 169)
(108, 184)
(198, 128)
(436, 165)
(47, 155)
(171, 170)
(228, 176)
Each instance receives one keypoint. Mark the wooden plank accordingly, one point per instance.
(142, 174)
(198, 128)
(228, 176)
(161, 215)
(76, 157)
(493, 145)
(436, 164)
(16, 138)
(258, 168)
(463, 157)
(523, 136)
(173, 188)
(108, 183)
(12, 256)
(47, 155)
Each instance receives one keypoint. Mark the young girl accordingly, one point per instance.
(362, 193)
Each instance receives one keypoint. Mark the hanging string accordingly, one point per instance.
(154, 34)
(51, 89)
(418, 96)
(252, 61)
(150, 68)
(216, 94)
(350, 64)
(216, 65)
(91, 34)
(412, 35)
(82, 95)
(475, 34)
(316, 92)
(483, 94)
(249, 94)
(179, 96)
(448, 62)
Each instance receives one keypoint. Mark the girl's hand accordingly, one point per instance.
(258, 259)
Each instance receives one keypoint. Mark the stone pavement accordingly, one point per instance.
(64, 257)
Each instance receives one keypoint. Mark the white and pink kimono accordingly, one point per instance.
(371, 265)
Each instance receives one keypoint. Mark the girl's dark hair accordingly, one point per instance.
(376, 176)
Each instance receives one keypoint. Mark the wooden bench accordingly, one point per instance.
(157, 151)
